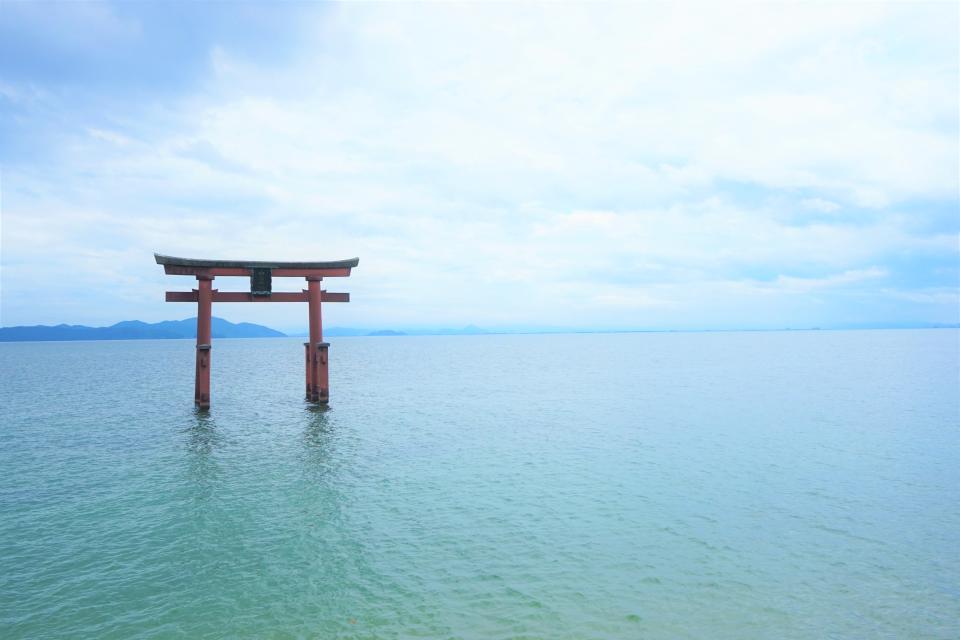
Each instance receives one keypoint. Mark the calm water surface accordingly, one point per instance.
(726, 485)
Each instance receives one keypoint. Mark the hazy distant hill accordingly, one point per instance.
(136, 330)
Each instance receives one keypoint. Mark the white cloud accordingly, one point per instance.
(930, 296)
(819, 204)
(508, 163)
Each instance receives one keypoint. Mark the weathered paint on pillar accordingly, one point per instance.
(316, 337)
(306, 353)
(204, 318)
(324, 371)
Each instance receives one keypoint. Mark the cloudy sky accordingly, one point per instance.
(506, 165)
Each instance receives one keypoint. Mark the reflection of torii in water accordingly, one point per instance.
(261, 276)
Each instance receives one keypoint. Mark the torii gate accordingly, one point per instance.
(261, 276)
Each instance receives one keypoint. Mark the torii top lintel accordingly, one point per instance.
(194, 266)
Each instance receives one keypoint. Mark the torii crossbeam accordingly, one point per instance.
(261, 276)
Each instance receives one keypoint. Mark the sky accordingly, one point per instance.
(507, 165)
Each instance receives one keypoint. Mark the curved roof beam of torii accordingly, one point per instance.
(251, 264)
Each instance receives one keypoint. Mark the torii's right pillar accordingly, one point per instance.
(201, 385)
(318, 373)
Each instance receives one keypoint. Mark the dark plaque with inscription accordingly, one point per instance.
(261, 281)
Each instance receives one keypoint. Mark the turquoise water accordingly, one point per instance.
(713, 485)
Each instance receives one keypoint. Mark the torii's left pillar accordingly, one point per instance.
(201, 387)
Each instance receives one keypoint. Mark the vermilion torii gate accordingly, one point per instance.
(261, 276)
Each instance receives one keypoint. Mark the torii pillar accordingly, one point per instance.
(261, 290)
(318, 375)
(201, 385)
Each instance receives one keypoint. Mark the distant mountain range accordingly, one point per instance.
(220, 328)
(136, 330)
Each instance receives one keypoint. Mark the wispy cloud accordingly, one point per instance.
(802, 285)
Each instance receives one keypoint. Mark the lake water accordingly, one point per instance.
(653, 485)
